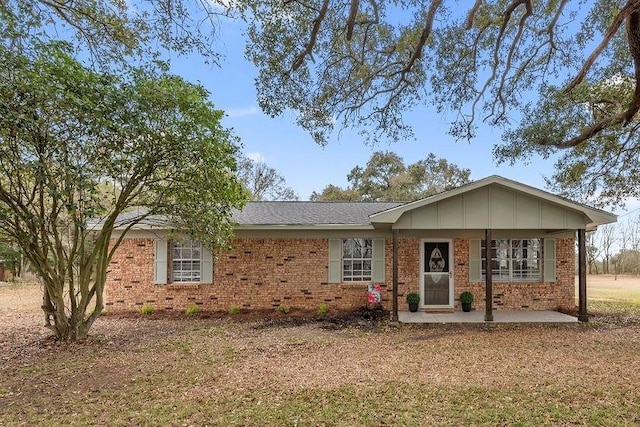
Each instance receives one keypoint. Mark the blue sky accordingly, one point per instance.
(308, 167)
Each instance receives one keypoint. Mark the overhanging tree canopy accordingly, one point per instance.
(368, 60)
(363, 63)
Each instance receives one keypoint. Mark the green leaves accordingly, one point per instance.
(113, 31)
(386, 178)
(80, 148)
(601, 170)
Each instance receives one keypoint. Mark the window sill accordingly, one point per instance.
(191, 285)
(356, 284)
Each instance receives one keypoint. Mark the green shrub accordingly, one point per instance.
(146, 310)
(234, 309)
(323, 308)
(284, 309)
(466, 297)
(191, 310)
(413, 298)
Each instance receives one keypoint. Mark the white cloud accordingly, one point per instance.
(241, 112)
(255, 157)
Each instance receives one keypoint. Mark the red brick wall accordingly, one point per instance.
(265, 273)
(521, 295)
(408, 269)
(256, 274)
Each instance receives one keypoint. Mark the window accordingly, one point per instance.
(185, 261)
(181, 261)
(357, 256)
(513, 260)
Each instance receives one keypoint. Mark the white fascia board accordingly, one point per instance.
(597, 216)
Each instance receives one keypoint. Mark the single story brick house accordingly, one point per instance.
(303, 254)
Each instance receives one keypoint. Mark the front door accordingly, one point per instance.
(437, 274)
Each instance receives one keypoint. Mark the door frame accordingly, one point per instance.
(451, 274)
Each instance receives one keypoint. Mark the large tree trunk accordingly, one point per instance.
(66, 326)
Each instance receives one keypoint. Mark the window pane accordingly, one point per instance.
(185, 264)
(346, 248)
(356, 256)
(367, 252)
(357, 248)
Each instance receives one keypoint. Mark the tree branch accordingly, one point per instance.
(630, 7)
(351, 21)
(633, 36)
(472, 14)
(424, 36)
(299, 60)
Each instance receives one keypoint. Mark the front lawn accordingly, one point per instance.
(191, 370)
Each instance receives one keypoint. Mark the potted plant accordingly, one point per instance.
(466, 298)
(413, 299)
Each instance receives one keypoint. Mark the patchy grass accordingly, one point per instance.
(192, 370)
(614, 296)
(603, 287)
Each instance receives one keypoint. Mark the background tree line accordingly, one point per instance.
(615, 248)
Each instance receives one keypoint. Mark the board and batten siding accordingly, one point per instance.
(494, 207)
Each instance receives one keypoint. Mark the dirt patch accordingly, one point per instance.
(622, 281)
(20, 297)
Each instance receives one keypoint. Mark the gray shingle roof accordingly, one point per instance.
(309, 213)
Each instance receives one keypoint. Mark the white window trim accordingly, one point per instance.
(362, 277)
(510, 259)
(185, 244)
(162, 274)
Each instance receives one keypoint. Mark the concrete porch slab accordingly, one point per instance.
(478, 317)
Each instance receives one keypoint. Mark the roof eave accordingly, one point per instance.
(305, 227)
(596, 216)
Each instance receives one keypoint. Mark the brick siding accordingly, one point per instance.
(264, 273)
(255, 274)
(521, 295)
